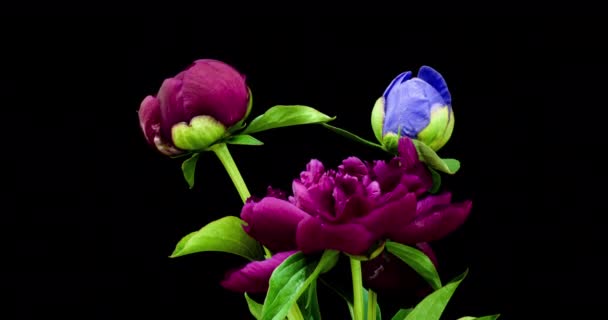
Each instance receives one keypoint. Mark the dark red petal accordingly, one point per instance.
(314, 235)
(254, 276)
(435, 225)
(149, 118)
(273, 222)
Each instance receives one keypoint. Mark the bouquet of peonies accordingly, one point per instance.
(378, 215)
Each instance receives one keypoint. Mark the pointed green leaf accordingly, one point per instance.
(309, 303)
(492, 317)
(417, 260)
(222, 235)
(401, 314)
(290, 279)
(188, 168)
(432, 306)
(436, 180)
(352, 136)
(428, 156)
(255, 308)
(286, 116)
(244, 139)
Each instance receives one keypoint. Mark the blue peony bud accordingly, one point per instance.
(419, 108)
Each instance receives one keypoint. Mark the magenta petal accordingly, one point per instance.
(314, 235)
(435, 225)
(171, 106)
(314, 171)
(353, 166)
(273, 222)
(254, 276)
(408, 153)
(214, 88)
(149, 118)
(390, 218)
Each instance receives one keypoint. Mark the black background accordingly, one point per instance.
(98, 211)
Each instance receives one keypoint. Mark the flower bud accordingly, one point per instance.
(195, 108)
(419, 108)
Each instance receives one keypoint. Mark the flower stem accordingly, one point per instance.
(355, 268)
(372, 300)
(221, 151)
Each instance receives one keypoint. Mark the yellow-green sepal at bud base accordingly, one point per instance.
(378, 118)
(440, 127)
(201, 133)
(390, 142)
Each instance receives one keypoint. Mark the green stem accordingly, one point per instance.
(372, 300)
(355, 268)
(221, 151)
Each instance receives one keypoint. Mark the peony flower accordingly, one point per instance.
(355, 207)
(419, 108)
(195, 108)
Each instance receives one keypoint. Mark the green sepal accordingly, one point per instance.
(188, 169)
(428, 156)
(378, 118)
(417, 260)
(440, 127)
(202, 132)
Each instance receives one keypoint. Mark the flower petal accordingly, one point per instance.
(434, 226)
(408, 107)
(149, 117)
(399, 79)
(390, 218)
(314, 171)
(214, 88)
(313, 235)
(353, 166)
(254, 276)
(435, 79)
(171, 106)
(273, 222)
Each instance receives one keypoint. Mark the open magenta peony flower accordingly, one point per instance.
(352, 208)
(195, 108)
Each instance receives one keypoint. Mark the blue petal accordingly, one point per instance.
(435, 79)
(399, 79)
(408, 106)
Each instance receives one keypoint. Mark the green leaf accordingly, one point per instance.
(417, 260)
(254, 307)
(222, 235)
(428, 156)
(286, 116)
(244, 139)
(309, 303)
(188, 168)
(436, 180)
(290, 279)
(401, 314)
(492, 317)
(432, 306)
(352, 136)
